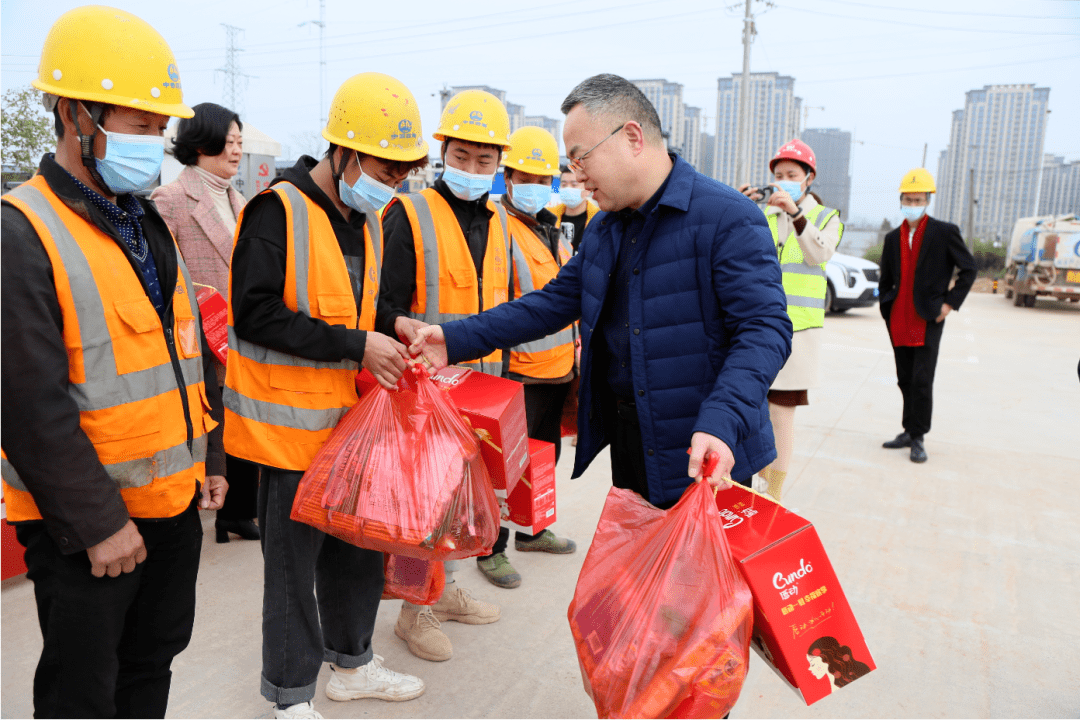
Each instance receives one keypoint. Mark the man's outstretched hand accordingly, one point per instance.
(431, 343)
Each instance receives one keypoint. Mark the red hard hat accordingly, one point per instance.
(795, 150)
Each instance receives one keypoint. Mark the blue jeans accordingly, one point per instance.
(320, 596)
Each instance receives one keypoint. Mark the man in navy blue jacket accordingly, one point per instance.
(684, 320)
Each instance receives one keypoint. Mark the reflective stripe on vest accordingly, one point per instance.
(431, 305)
(279, 407)
(552, 356)
(99, 385)
(804, 284)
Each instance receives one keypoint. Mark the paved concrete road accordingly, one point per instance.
(963, 572)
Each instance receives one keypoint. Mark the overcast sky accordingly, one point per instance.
(890, 72)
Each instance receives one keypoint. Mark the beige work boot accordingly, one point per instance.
(422, 632)
(775, 481)
(457, 604)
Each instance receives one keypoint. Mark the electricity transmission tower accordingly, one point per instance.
(232, 94)
(321, 22)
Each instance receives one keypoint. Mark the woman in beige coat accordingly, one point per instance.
(796, 215)
(201, 207)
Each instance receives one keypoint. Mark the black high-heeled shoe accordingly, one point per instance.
(247, 529)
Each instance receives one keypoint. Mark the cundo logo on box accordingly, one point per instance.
(780, 581)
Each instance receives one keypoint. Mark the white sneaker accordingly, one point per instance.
(300, 710)
(373, 681)
(759, 484)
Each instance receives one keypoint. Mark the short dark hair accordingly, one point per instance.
(98, 111)
(618, 98)
(205, 133)
(927, 194)
(564, 169)
(471, 143)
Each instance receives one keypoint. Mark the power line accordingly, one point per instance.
(938, 71)
(951, 12)
(410, 50)
(407, 32)
(815, 11)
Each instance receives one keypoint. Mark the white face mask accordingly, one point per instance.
(530, 198)
(571, 197)
(913, 213)
(366, 188)
(131, 162)
(467, 186)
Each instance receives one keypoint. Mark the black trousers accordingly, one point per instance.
(109, 642)
(320, 596)
(241, 502)
(915, 368)
(628, 451)
(543, 412)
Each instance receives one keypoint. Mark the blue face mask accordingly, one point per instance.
(366, 194)
(531, 198)
(467, 186)
(913, 213)
(792, 188)
(131, 162)
(570, 196)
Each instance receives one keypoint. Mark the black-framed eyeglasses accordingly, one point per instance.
(576, 164)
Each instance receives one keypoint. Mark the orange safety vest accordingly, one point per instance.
(553, 356)
(280, 408)
(447, 287)
(121, 373)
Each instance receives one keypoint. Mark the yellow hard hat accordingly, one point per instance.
(377, 115)
(476, 116)
(918, 180)
(533, 150)
(106, 55)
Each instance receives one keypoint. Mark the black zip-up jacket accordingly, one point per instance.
(260, 314)
(399, 254)
(80, 504)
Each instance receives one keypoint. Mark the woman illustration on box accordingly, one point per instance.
(828, 658)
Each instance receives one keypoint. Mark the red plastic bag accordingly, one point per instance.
(421, 582)
(661, 616)
(402, 473)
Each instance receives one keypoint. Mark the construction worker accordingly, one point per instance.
(447, 257)
(538, 249)
(574, 207)
(110, 446)
(303, 289)
(918, 263)
(806, 234)
(573, 214)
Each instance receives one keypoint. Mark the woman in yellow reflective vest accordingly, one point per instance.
(806, 234)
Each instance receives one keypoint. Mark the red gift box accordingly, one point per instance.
(803, 624)
(11, 550)
(215, 320)
(532, 503)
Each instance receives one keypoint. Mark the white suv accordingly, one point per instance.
(852, 282)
